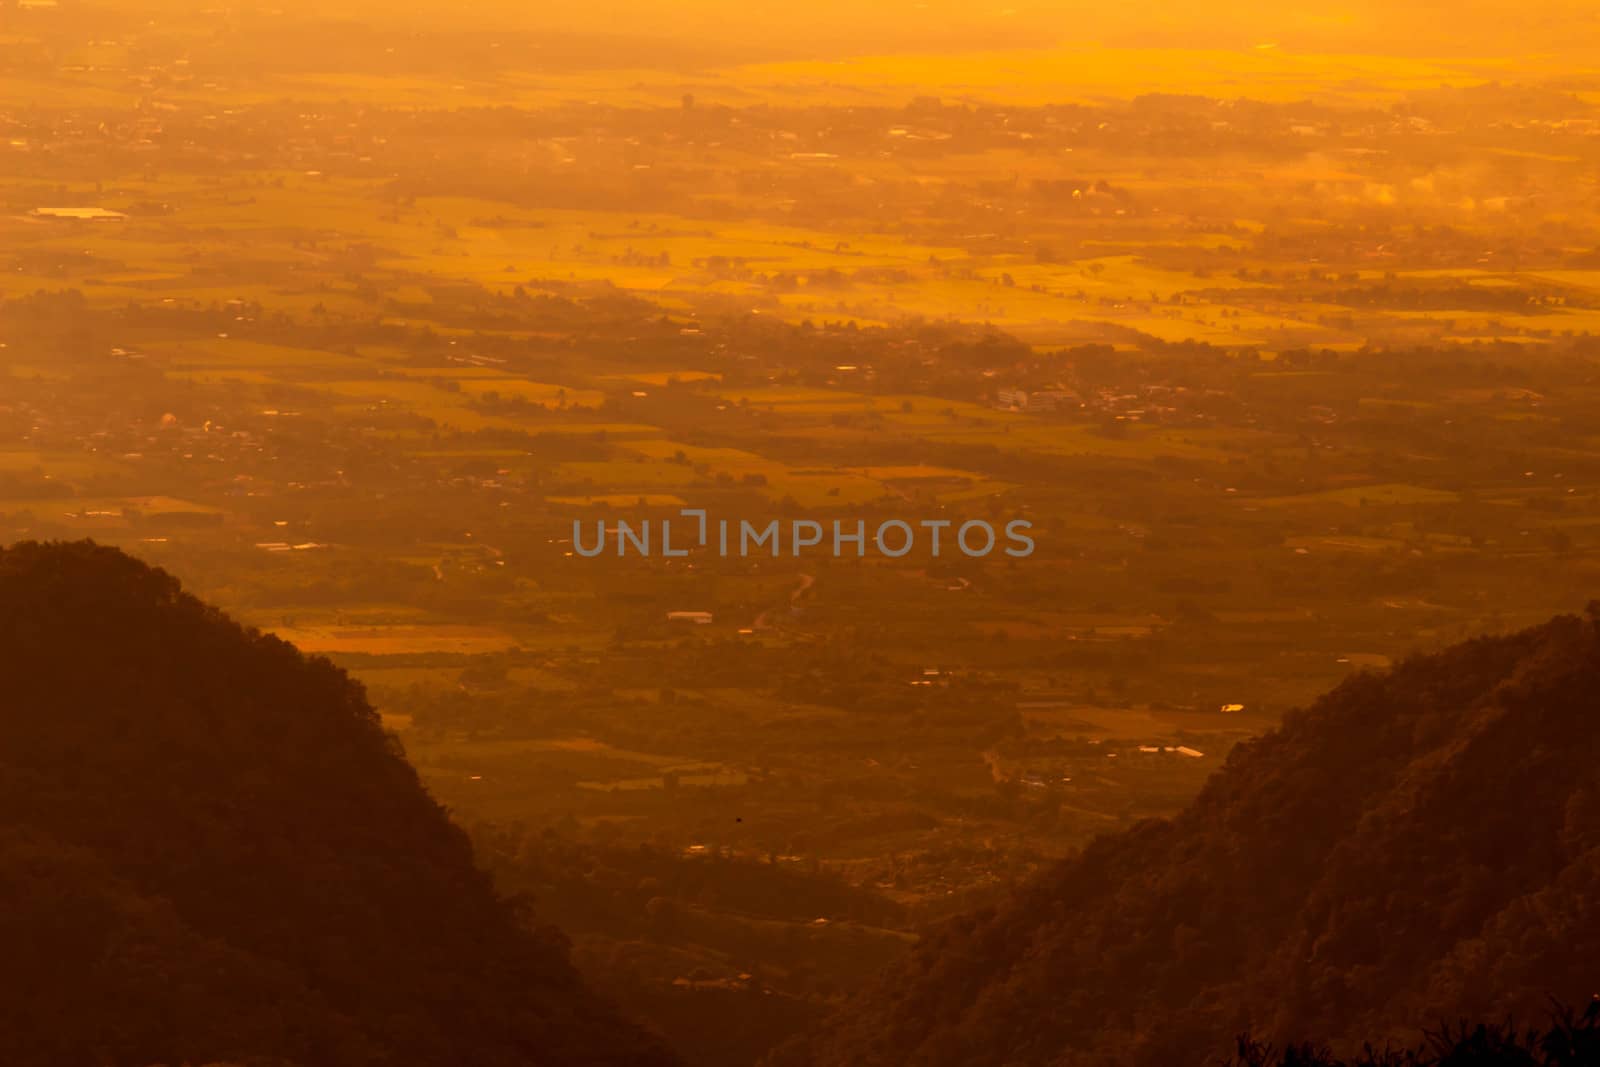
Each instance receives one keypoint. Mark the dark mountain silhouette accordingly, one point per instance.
(209, 850)
(1419, 846)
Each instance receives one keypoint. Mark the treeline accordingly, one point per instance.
(1571, 1039)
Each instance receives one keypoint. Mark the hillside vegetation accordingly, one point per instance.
(1419, 845)
(209, 849)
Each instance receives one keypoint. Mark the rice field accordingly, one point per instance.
(397, 640)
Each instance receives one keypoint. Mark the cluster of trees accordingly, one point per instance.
(1570, 1040)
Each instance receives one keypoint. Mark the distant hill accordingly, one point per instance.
(1419, 846)
(209, 850)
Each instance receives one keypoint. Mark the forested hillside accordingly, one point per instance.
(1418, 846)
(209, 850)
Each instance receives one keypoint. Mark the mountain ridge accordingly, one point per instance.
(253, 870)
(1416, 845)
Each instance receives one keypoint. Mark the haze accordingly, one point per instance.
(1276, 325)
